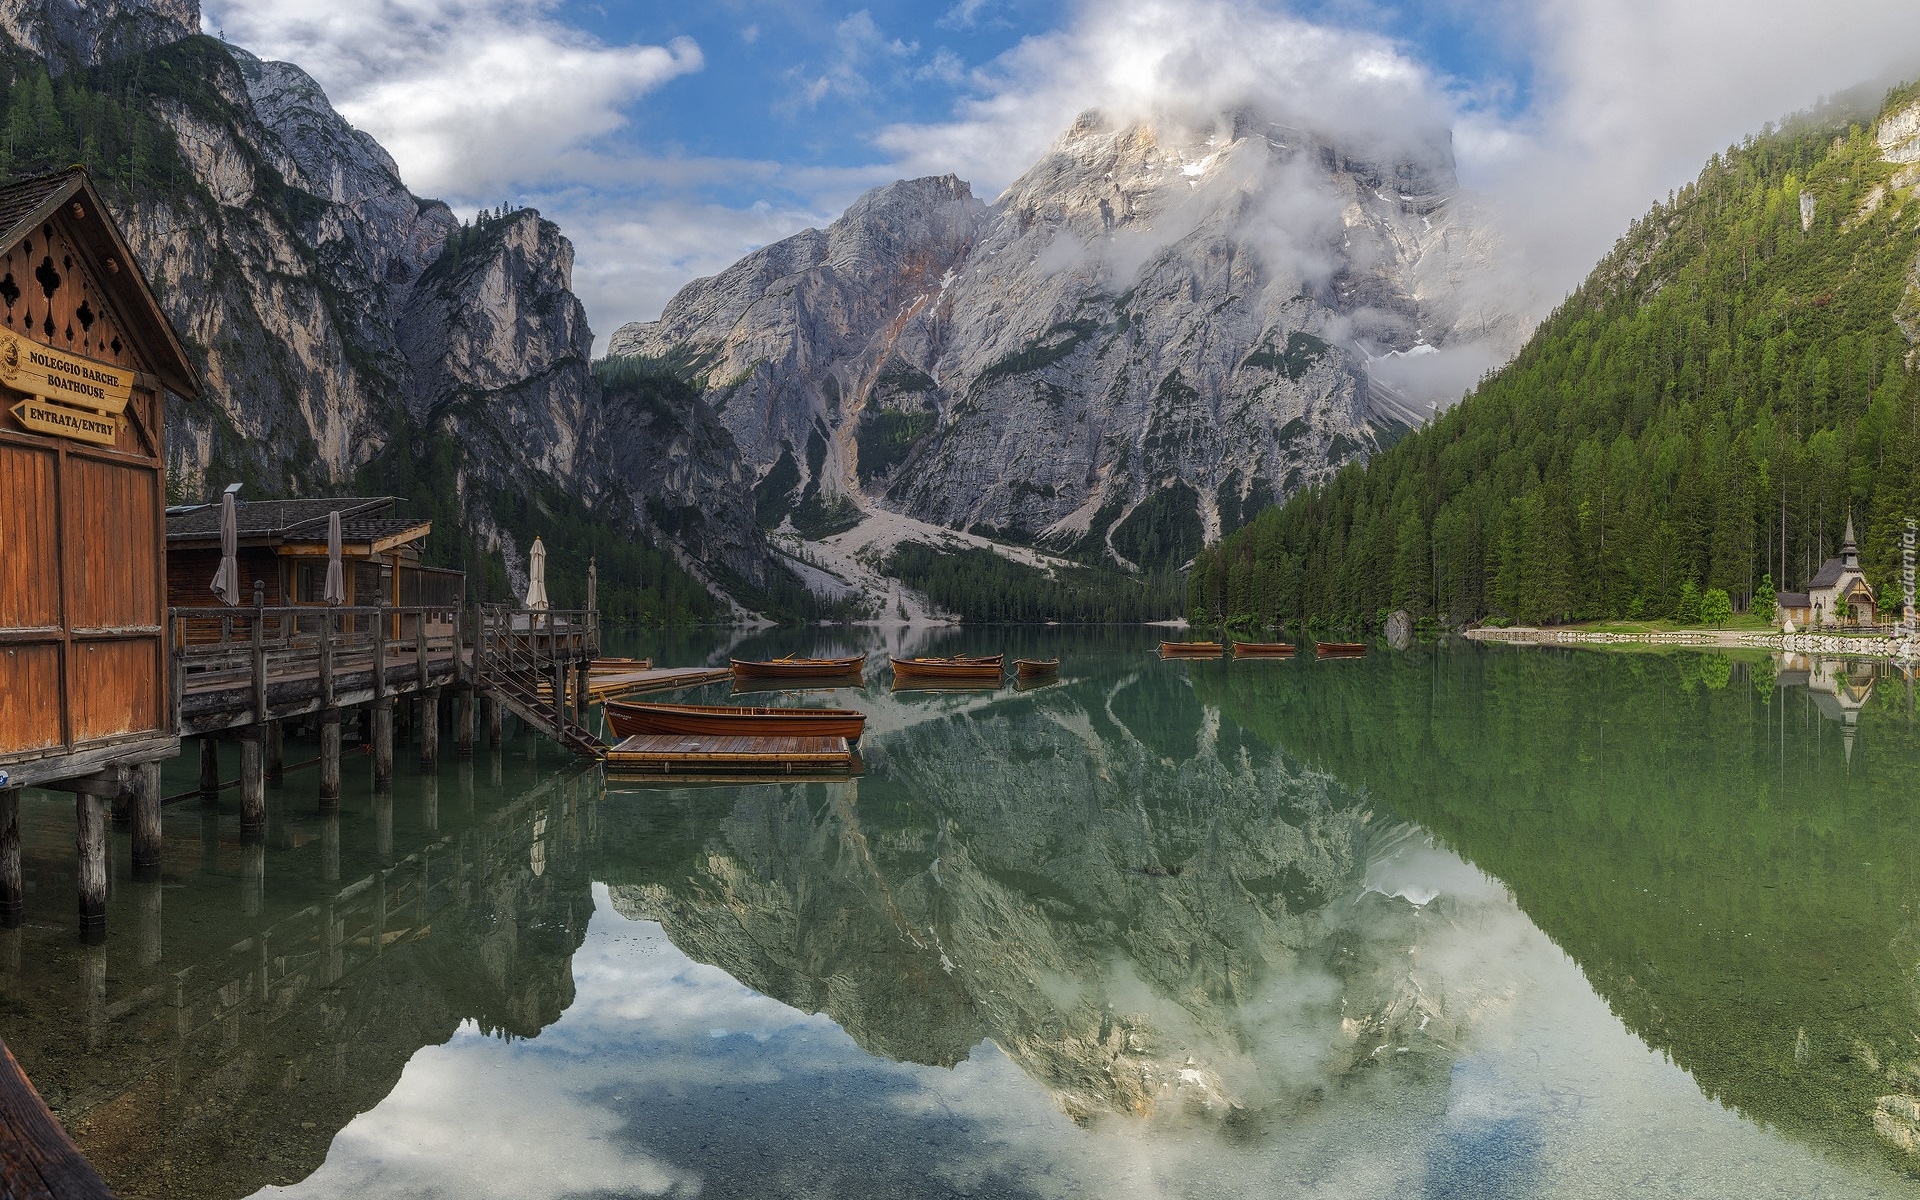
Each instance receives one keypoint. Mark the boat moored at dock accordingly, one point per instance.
(987, 667)
(1263, 649)
(798, 668)
(1340, 649)
(1192, 649)
(722, 720)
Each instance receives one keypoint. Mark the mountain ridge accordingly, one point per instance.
(1735, 379)
(1179, 325)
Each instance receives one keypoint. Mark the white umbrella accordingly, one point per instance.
(537, 575)
(336, 590)
(226, 582)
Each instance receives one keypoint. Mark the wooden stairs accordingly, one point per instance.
(520, 695)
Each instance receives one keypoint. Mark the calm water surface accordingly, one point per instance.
(1448, 922)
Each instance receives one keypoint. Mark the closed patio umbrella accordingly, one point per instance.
(537, 575)
(226, 581)
(336, 590)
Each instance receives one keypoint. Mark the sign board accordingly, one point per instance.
(27, 366)
(43, 416)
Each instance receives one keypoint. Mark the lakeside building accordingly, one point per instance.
(1838, 595)
(282, 548)
(86, 359)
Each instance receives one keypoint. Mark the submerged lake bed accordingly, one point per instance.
(1460, 920)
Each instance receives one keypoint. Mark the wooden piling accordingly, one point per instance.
(12, 889)
(495, 721)
(582, 691)
(383, 825)
(209, 768)
(330, 761)
(430, 803)
(151, 925)
(146, 821)
(253, 878)
(276, 753)
(464, 737)
(253, 788)
(383, 742)
(559, 698)
(90, 842)
(330, 845)
(430, 728)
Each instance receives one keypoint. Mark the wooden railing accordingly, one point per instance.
(246, 651)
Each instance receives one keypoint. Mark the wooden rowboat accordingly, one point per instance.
(1263, 650)
(723, 720)
(791, 667)
(1035, 668)
(1191, 649)
(1340, 649)
(957, 667)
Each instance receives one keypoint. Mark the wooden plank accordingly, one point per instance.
(657, 753)
(30, 566)
(113, 688)
(30, 681)
(36, 1157)
(110, 545)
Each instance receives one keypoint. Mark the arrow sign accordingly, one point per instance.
(44, 416)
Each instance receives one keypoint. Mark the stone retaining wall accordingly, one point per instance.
(1907, 649)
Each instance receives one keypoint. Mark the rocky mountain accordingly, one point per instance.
(1732, 390)
(354, 336)
(1151, 334)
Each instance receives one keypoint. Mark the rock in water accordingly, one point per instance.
(1399, 629)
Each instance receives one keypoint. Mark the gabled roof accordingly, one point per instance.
(1829, 575)
(26, 204)
(276, 522)
(1792, 599)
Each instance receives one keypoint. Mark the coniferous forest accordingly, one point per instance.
(1734, 378)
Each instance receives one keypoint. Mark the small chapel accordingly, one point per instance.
(1838, 595)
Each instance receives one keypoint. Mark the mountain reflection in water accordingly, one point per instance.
(1449, 922)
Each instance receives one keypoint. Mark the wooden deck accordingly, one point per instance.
(664, 754)
(614, 681)
(224, 699)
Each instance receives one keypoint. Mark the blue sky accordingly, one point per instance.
(670, 139)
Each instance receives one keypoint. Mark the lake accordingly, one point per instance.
(1455, 921)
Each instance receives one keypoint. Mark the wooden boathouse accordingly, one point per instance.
(113, 646)
(86, 357)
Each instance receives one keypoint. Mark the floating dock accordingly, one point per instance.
(706, 757)
(612, 680)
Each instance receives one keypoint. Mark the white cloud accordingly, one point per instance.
(1185, 61)
(1632, 97)
(859, 46)
(472, 97)
(1628, 97)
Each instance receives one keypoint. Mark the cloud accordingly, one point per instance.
(1186, 62)
(859, 45)
(1632, 96)
(1591, 111)
(472, 97)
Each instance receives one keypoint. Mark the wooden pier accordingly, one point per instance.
(705, 757)
(614, 679)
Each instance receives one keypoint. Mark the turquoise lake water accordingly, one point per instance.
(1454, 921)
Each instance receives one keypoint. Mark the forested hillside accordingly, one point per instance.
(1733, 379)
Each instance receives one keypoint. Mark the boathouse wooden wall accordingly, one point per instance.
(82, 527)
